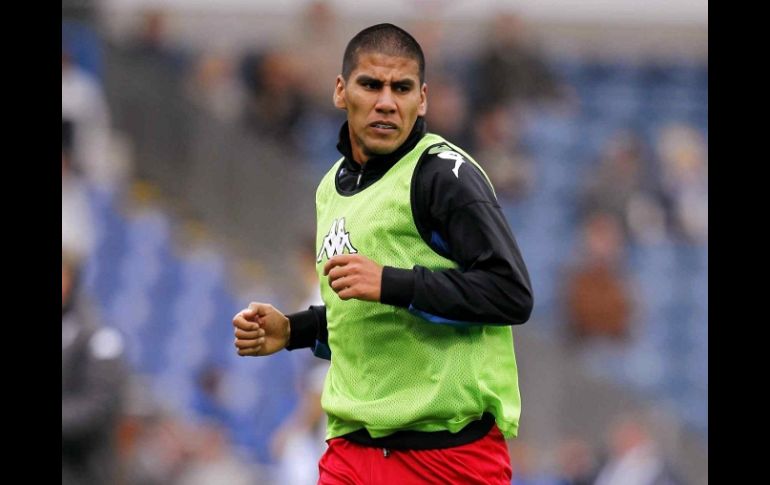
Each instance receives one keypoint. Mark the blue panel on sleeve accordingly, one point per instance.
(445, 321)
(440, 320)
(322, 350)
(438, 244)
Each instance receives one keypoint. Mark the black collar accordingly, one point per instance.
(380, 163)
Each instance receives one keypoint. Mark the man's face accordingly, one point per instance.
(383, 98)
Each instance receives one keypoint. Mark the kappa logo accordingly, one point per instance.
(336, 241)
(459, 160)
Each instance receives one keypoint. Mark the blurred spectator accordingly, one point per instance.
(316, 47)
(216, 88)
(153, 43)
(497, 150)
(576, 462)
(510, 67)
(634, 456)
(211, 461)
(598, 299)
(155, 452)
(93, 375)
(208, 401)
(299, 442)
(683, 157)
(524, 463)
(624, 187)
(434, 36)
(448, 113)
(86, 112)
(77, 223)
(158, 448)
(274, 103)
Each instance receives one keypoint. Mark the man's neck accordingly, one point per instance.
(357, 151)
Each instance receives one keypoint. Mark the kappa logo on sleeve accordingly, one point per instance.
(336, 241)
(459, 160)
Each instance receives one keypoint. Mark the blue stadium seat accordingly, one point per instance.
(84, 45)
(148, 231)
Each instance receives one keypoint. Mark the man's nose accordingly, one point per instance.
(385, 101)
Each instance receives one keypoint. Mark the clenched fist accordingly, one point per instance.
(260, 329)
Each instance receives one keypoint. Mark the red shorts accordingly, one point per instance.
(484, 461)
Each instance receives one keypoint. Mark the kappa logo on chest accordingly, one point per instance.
(336, 241)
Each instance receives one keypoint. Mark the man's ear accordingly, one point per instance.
(339, 94)
(423, 108)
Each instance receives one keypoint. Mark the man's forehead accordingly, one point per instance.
(376, 64)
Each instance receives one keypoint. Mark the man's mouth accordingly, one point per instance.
(383, 125)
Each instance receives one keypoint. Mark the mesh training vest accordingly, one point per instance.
(392, 370)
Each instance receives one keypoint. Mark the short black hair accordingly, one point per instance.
(385, 39)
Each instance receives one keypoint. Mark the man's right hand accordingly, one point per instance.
(260, 329)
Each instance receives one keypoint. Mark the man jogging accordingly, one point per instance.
(421, 280)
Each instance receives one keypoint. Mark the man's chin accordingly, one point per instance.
(382, 149)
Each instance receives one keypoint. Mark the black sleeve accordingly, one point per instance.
(457, 214)
(306, 327)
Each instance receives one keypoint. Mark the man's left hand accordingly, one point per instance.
(354, 276)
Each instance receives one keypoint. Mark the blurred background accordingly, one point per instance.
(194, 134)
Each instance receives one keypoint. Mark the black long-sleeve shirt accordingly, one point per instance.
(456, 214)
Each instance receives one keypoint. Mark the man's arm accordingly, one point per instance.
(458, 215)
(261, 330)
